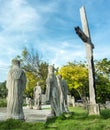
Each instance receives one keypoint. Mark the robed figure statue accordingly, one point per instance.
(52, 92)
(16, 83)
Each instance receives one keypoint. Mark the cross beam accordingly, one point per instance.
(83, 36)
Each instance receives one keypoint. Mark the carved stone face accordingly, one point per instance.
(50, 69)
(15, 62)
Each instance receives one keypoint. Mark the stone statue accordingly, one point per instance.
(29, 102)
(52, 92)
(65, 93)
(73, 101)
(61, 93)
(16, 83)
(37, 96)
(63, 89)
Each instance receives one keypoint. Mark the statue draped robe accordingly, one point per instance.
(16, 83)
(63, 90)
(52, 94)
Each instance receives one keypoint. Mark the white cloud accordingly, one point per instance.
(49, 27)
(17, 16)
(61, 52)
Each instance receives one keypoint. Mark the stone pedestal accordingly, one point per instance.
(93, 109)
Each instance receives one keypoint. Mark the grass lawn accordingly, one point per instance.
(78, 119)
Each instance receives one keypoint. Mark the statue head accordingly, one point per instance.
(16, 62)
(51, 69)
(60, 76)
(38, 83)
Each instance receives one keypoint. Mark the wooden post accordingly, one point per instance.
(89, 53)
(85, 36)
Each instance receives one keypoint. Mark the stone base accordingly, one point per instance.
(93, 109)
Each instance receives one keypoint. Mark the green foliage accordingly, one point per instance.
(3, 90)
(3, 102)
(105, 113)
(36, 70)
(32, 79)
(103, 66)
(102, 73)
(31, 83)
(76, 75)
(43, 70)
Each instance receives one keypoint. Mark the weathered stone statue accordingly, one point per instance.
(65, 91)
(29, 102)
(63, 88)
(73, 101)
(16, 83)
(37, 96)
(61, 93)
(52, 92)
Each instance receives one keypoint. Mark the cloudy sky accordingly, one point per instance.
(48, 26)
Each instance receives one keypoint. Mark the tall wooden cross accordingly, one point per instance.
(86, 38)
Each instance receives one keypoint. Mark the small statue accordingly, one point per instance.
(37, 96)
(29, 102)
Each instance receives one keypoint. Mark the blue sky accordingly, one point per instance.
(48, 26)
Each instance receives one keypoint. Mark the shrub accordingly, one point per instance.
(105, 113)
(3, 103)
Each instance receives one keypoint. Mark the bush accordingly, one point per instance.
(105, 113)
(3, 103)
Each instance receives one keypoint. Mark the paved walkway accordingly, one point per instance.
(31, 115)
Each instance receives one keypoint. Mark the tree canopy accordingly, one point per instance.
(102, 73)
(76, 75)
(35, 69)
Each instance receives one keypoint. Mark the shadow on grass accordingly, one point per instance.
(78, 117)
(52, 122)
(49, 121)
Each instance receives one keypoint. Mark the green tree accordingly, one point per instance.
(102, 72)
(3, 90)
(76, 75)
(36, 70)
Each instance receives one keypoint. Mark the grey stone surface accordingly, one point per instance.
(31, 115)
(43, 99)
